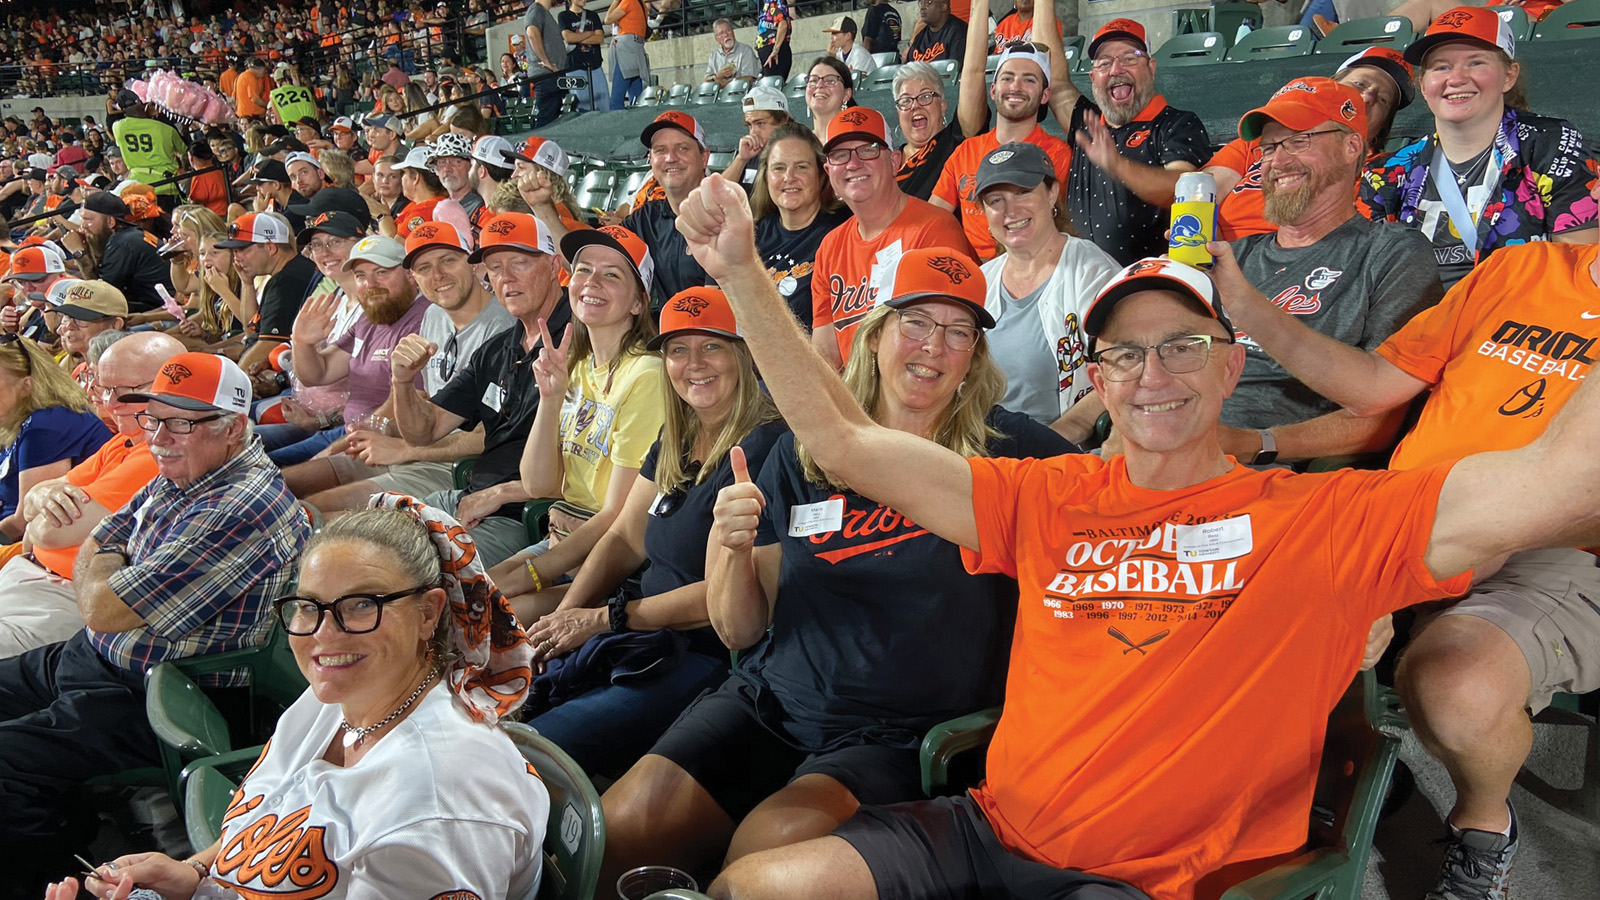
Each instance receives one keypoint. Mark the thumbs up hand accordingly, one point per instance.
(739, 507)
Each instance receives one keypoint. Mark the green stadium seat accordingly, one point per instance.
(633, 182)
(652, 96)
(946, 68)
(594, 191)
(678, 94)
(575, 838)
(1224, 18)
(1279, 42)
(734, 92)
(797, 86)
(1517, 18)
(705, 94)
(1356, 35)
(886, 59)
(1573, 20)
(879, 79)
(1198, 49)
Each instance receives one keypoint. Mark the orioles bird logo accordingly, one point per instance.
(176, 372)
(1348, 110)
(1144, 267)
(690, 306)
(426, 232)
(853, 117)
(1453, 19)
(953, 268)
(501, 227)
(322, 219)
(1138, 138)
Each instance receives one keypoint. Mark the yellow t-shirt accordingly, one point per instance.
(610, 418)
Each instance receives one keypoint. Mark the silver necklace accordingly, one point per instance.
(354, 735)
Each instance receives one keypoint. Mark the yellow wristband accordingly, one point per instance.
(538, 583)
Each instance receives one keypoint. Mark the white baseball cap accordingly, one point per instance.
(493, 150)
(417, 158)
(544, 152)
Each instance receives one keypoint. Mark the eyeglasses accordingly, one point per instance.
(866, 153)
(1126, 60)
(174, 424)
(918, 328)
(1294, 143)
(105, 393)
(353, 613)
(329, 246)
(1178, 355)
(922, 99)
(831, 81)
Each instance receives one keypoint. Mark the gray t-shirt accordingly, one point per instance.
(1358, 284)
(555, 49)
(1017, 342)
(456, 347)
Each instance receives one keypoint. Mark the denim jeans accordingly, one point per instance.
(593, 97)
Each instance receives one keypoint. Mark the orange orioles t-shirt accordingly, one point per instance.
(1177, 653)
(958, 183)
(1503, 350)
(1241, 211)
(414, 216)
(117, 471)
(842, 282)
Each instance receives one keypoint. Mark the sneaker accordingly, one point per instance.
(1477, 865)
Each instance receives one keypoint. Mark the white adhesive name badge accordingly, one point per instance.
(356, 345)
(1227, 539)
(660, 501)
(494, 397)
(816, 518)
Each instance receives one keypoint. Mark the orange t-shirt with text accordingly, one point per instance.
(1177, 653)
(842, 285)
(110, 477)
(1503, 350)
(958, 183)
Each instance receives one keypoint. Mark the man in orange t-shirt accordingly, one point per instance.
(37, 603)
(1174, 606)
(250, 90)
(852, 260)
(1501, 354)
(1021, 87)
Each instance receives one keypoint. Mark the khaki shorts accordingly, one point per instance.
(417, 479)
(1548, 601)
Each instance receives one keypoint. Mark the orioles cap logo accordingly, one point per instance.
(175, 373)
(1454, 19)
(1348, 110)
(1145, 267)
(501, 227)
(322, 219)
(1295, 85)
(690, 306)
(952, 268)
(81, 292)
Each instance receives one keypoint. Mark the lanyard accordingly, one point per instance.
(1444, 181)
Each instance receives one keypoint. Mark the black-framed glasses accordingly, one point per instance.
(922, 99)
(353, 613)
(173, 424)
(840, 156)
(10, 338)
(445, 362)
(1294, 143)
(1179, 355)
(1126, 60)
(919, 328)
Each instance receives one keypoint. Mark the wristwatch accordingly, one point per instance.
(618, 611)
(1269, 449)
(118, 549)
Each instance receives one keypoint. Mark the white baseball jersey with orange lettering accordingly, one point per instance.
(440, 808)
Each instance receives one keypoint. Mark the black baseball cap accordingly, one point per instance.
(337, 223)
(271, 170)
(331, 199)
(106, 204)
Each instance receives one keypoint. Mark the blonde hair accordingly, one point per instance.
(634, 343)
(51, 386)
(214, 315)
(338, 167)
(962, 427)
(507, 199)
(752, 408)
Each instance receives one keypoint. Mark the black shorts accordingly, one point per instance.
(724, 747)
(944, 849)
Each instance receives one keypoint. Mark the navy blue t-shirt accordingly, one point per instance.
(878, 632)
(47, 436)
(790, 256)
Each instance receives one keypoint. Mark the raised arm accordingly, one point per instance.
(972, 101)
(928, 483)
(1358, 380)
(315, 361)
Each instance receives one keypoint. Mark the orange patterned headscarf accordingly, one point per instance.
(142, 203)
(495, 666)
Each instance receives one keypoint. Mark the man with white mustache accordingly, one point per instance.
(1128, 117)
(1348, 278)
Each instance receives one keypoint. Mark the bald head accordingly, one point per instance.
(130, 365)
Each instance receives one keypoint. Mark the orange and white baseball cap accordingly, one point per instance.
(257, 228)
(697, 310)
(36, 264)
(513, 231)
(858, 123)
(1155, 273)
(938, 273)
(1304, 104)
(674, 118)
(1119, 30)
(198, 382)
(547, 153)
(1392, 63)
(433, 234)
(1473, 24)
(617, 238)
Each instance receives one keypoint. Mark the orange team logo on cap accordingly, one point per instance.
(175, 373)
(426, 233)
(1455, 18)
(855, 116)
(1145, 267)
(1121, 25)
(501, 227)
(689, 305)
(951, 267)
(322, 219)
(619, 234)
(1348, 110)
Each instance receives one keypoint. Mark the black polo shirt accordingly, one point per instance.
(1103, 209)
(497, 388)
(657, 225)
(282, 296)
(131, 264)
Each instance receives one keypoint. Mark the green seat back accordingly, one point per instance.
(575, 839)
(206, 795)
(1517, 18)
(182, 716)
(880, 79)
(706, 93)
(734, 92)
(1198, 49)
(1356, 35)
(1573, 20)
(461, 472)
(1279, 42)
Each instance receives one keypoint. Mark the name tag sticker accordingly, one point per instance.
(660, 501)
(816, 518)
(494, 396)
(355, 346)
(1227, 539)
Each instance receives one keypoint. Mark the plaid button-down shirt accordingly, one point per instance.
(205, 562)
